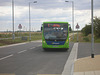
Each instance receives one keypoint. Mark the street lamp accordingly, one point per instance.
(30, 20)
(72, 16)
(92, 41)
(13, 34)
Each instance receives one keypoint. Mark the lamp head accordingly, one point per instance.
(35, 2)
(66, 1)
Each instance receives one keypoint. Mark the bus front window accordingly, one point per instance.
(55, 32)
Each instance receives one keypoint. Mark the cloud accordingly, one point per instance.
(48, 10)
(5, 11)
(52, 4)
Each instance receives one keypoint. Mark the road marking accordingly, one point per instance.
(69, 66)
(12, 45)
(6, 74)
(32, 47)
(36, 46)
(19, 44)
(39, 45)
(22, 51)
(6, 57)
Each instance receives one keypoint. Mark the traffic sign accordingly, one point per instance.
(77, 26)
(20, 26)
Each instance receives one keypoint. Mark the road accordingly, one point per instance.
(30, 59)
(84, 49)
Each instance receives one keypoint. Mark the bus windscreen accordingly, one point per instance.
(54, 31)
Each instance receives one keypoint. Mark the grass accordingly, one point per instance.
(38, 36)
(34, 36)
(82, 38)
(97, 40)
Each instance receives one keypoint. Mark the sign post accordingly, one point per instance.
(77, 27)
(20, 27)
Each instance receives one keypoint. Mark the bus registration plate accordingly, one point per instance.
(55, 46)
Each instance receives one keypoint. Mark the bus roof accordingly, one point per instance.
(55, 22)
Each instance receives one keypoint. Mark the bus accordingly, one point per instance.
(55, 35)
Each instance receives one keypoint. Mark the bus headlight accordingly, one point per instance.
(44, 42)
(66, 41)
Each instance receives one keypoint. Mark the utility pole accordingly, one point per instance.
(72, 16)
(13, 34)
(92, 39)
(30, 20)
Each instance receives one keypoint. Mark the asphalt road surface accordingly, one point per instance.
(84, 49)
(30, 59)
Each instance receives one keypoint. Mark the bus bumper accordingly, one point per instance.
(66, 45)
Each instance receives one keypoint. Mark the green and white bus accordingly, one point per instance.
(55, 35)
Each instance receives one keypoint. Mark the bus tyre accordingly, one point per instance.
(44, 49)
(66, 49)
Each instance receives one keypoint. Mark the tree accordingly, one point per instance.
(86, 30)
(96, 23)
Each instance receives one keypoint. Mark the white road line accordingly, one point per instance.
(36, 46)
(19, 44)
(6, 57)
(69, 66)
(22, 51)
(32, 47)
(12, 45)
(39, 45)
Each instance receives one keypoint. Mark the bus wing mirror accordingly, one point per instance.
(70, 29)
(41, 28)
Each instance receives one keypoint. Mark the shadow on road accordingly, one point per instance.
(55, 50)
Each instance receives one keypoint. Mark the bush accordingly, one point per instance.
(0, 35)
(97, 27)
(86, 30)
(86, 39)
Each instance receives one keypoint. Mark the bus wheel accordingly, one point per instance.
(44, 49)
(66, 49)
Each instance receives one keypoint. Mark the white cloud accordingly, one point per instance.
(97, 13)
(5, 10)
(49, 10)
(20, 11)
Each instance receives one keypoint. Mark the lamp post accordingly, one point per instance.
(13, 34)
(72, 16)
(92, 39)
(30, 20)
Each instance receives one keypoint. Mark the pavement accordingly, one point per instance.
(87, 66)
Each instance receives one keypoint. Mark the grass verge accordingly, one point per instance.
(82, 38)
(34, 36)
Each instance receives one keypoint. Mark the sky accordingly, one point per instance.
(45, 10)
